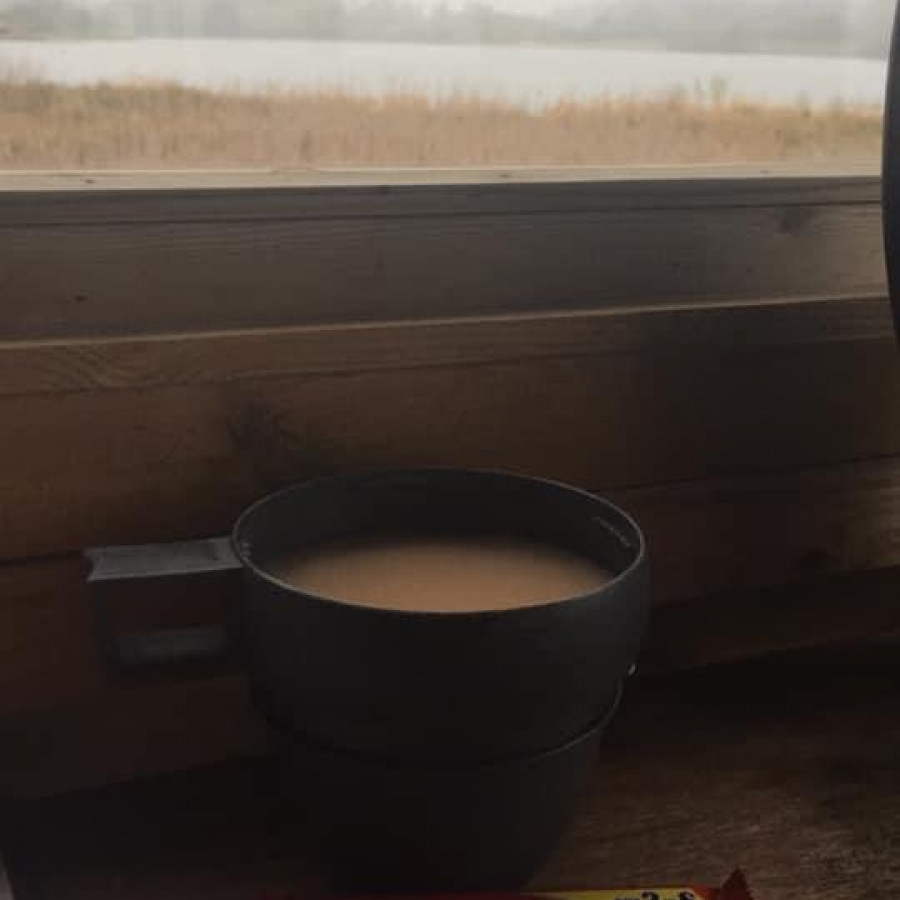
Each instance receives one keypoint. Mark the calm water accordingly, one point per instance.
(532, 75)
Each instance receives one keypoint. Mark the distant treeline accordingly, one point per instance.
(851, 27)
(845, 27)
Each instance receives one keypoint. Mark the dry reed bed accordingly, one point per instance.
(160, 125)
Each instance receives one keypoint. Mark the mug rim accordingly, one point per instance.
(246, 559)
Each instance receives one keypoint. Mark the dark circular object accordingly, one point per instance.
(454, 686)
(891, 173)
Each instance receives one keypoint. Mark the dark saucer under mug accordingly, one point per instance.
(398, 825)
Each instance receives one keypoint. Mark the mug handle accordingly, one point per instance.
(162, 647)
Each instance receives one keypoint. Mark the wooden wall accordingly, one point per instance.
(715, 356)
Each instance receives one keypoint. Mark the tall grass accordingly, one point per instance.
(161, 125)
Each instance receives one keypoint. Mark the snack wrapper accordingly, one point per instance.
(735, 888)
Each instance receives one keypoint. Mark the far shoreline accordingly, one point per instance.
(611, 46)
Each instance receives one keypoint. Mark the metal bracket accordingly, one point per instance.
(127, 561)
(164, 647)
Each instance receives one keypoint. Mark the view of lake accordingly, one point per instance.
(529, 75)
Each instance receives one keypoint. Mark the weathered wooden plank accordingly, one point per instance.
(225, 357)
(48, 646)
(51, 634)
(129, 729)
(160, 272)
(146, 464)
(55, 198)
(746, 624)
(751, 532)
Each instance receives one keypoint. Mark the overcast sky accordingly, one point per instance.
(539, 6)
(542, 6)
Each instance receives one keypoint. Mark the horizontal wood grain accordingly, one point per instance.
(54, 198)
(53, 626)
(751, 532)
(64, 366)
(715, 354)
(837, 612)
(127, 730)
(849, 178)
(49, 652)
(108, 262)
(163, 462)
